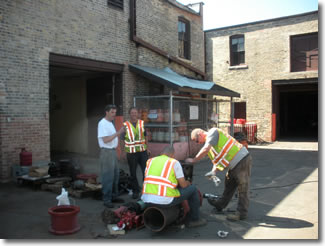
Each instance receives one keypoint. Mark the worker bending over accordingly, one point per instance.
(226, 152)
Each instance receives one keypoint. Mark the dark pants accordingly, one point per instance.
(238, 177)
(191, 194)
(133, 160)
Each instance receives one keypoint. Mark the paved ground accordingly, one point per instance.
(284, 204)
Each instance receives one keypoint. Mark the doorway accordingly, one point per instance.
(79, 90)
(295, 104)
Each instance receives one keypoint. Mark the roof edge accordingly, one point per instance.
(262, 21)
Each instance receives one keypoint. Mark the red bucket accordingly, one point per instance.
(64, 219)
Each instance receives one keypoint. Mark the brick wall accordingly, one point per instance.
(267, 56)
(30, 30)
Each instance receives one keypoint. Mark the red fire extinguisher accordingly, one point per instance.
(25, 157)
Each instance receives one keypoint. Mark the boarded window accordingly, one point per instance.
(116, 3)
(184, 39)
(304, 52)
(237, 50)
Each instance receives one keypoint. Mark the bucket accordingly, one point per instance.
(64, 219)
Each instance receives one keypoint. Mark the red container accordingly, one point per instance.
(251, 131)
(25, 157)
(64, 219)
(241, 121)
(85, 177)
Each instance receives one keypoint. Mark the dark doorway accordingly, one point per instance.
(79, 90)
(100, 92)
(296, 109)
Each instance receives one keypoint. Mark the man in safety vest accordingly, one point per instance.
(135, 145)
(226, 152)
(164, 184)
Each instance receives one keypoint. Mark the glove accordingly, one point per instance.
(211, 173)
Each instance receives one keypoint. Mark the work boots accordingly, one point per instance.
(197, 223)
(236, 216)
(213, 202)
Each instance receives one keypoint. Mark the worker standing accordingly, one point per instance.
(135, 142)
(164, 184)
(108, 141)
(226, 152)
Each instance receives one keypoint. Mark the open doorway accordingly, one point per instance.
(79, 91)
(296, 108)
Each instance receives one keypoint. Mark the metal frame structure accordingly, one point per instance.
(172, 125)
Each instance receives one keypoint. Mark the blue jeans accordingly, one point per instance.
(110, 174)
(191, 194)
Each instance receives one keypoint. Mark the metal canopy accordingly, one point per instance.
(178, 82)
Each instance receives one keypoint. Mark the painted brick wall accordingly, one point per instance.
(267, 56)
(32, 29)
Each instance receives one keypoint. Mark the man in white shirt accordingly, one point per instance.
(108, 141)
(164, 184)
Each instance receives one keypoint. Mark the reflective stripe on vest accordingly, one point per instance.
(226, 149)
(134, 137)
(160, 177)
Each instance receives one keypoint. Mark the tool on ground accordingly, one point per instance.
(211, 196)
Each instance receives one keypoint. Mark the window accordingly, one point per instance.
(184, 38)
(237, 50)
(116, 3)
(304, 52)
(240, 110)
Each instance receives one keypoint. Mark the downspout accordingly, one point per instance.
(139, 41)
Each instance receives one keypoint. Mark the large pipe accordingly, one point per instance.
(157, 218)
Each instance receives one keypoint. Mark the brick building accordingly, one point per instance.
(63, 61)
(273, 64)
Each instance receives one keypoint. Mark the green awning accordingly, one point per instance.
(178, 82)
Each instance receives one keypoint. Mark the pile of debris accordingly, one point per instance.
(64, 174)
(126, 217)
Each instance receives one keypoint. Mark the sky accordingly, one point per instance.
(222, 13)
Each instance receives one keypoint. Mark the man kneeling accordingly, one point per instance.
(164, 184)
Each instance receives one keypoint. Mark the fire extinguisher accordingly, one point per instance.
(25, 157)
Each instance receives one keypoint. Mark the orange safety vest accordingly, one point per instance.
(160, 178)
(134, 137)
(225, 150)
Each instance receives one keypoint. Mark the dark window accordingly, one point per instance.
(304, 52)
(116, 3)
(184, 39)
(237, 50)
(240, 110)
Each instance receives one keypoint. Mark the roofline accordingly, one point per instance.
(179, 5)
(262, 21)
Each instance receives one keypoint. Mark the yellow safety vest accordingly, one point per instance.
(226, 149)
(134, 137)
(160, 177)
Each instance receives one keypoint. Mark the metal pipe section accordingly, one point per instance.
(171, 110)
(157, 218)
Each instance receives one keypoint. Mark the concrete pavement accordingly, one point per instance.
(284, 205)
